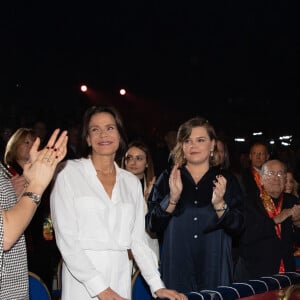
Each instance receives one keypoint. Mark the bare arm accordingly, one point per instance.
(38, 173)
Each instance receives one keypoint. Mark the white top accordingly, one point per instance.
(93, 231)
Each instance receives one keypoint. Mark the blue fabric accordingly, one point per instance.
(248, 288)
(293, 276)
(140, 289)
(244, 289)
(259, 286)
(37, 289)
(199, 296)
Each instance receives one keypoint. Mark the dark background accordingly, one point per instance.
(235, 62)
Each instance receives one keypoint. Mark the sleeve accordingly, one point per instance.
(141, 251)
(1, 240)
(66, 232)
(157, 219)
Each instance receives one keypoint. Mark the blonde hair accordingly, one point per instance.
(18, 137)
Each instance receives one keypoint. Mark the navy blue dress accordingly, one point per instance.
(196, 245)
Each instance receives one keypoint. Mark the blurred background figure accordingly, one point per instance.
(223, 153)
(291, 185)
(138, 160)
(73, 147)
(161, 157)
(41, 130)
(17, 150)
(250, 177)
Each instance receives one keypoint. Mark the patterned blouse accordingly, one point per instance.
(13, 263)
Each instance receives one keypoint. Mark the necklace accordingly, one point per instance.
(109, 172)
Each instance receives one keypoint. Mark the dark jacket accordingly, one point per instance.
(260, 249)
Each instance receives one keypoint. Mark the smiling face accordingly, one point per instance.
(198, 146)
(136, 161)
(273, 177)
(103, 135)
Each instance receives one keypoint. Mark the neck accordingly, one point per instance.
(275, 195)
(197, 169)
(104, 167)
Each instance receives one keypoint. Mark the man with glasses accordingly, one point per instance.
(272, 226)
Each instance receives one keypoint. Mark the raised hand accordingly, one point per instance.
(175, 184)
(40, 168)
(219, 190)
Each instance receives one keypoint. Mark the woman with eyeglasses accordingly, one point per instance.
(272, 227)
(98, 214)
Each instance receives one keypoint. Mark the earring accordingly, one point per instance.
(211, 153)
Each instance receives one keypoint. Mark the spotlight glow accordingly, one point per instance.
(122, 92)
(83, 88)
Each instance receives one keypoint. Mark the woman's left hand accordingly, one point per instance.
(41, 166)
(219, 190)
(170, 294)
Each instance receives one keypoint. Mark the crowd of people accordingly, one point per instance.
(183, 214)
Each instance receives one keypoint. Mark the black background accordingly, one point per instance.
(235, 62)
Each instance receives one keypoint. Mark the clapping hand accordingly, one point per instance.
(219, 190)
(175, 184)
(40, 168)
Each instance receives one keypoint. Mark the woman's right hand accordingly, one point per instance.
(110, 294)
(175, 184)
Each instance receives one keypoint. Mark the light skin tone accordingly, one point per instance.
(23, 154)
(136, 163)
(197, 149)
(258, 156)
(274, 186)
(289, 186)
(23, 150)
(104, 138)
(38, 172)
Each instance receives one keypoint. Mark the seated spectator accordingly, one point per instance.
(272, 227)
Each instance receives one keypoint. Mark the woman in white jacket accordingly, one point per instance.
(98, 214)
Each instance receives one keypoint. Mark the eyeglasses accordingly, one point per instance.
(279, 174)
(138, 158)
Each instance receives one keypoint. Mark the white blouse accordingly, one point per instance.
(93, 231)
